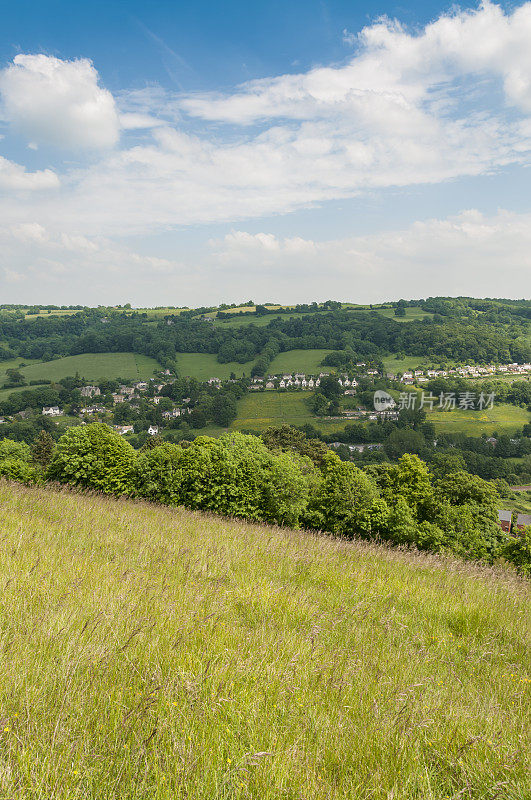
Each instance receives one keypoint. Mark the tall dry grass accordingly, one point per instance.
(154, 653)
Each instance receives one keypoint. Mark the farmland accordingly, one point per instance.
(94, 366)
(158, 653)
(206, 365)
(503, 419)
(304, 361)
(259, 410)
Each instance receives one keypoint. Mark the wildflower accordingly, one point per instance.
(6, 730)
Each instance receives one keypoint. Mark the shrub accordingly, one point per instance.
(517, 550)
(14, 450)
(96, 457)
(16, 469)
(342, 500)
(234, 475)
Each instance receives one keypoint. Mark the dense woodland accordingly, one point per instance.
(460, 330)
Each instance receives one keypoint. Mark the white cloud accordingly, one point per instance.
(55, 102)
(448, 101)
(466, 254)
(14, 177)
(394, 69)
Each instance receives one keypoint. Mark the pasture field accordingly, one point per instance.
(151, 653)
(13, 363)
(306, 361)
(206, 365)
(413, 313)
(94, 366)
(261, 322)
(503, 419)
(395, 365)
(258, 410)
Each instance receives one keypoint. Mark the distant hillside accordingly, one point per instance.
(156, 653)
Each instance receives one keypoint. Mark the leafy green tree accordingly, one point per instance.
(287, 439)
(517, 550)
(42, 449)
(95, 457)
(330, 388)
(342, 499)
(319, 404)
(11, 449)
(224, 409)
(16, 469)
(235, 475)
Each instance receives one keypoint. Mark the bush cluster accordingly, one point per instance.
(238, 475)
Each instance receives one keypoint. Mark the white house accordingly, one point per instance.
(122, 429)
(153, 430)
(52, 411)
(270, 385)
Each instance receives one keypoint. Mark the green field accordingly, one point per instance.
(159, 654)
(94, 366)
(206, 365)
(306, 361)
(13, 363)
(412, 313)
(503, 418)
(396, 365)
(258, 410)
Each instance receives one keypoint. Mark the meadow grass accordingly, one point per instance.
(206, 365)
(94, 366)
(259, 410)
(157, 653)
(303, 361)
(502, 418)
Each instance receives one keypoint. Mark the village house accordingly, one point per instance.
(214, 381)
(118, 398)
(523, 521)
(141, 387)
(504, 520)
(153, 430)
(156, 399)
(350, 392)
(270, 385)
(90, 391)
(52, 411)
(94, 410)
(123, 429)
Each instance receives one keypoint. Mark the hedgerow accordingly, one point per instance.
(238, 475)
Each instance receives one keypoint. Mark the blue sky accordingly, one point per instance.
(187, 154)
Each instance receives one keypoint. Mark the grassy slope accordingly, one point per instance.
(307, 361)
(503, 418)
(205, 365)
(258, 410)
(151, 653)
(94, 366)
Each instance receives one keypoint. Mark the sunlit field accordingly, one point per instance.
(157, 653)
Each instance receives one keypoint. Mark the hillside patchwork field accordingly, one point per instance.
(503, 418)
(206, 365)
(258, 410)
(157, 653)
(94, 366)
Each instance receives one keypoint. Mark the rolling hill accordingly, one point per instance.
(157, 653)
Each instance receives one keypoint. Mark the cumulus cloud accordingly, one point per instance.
(465, 254)
(393, 68)
(56, 102)
(407, 108)
(16, 178)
